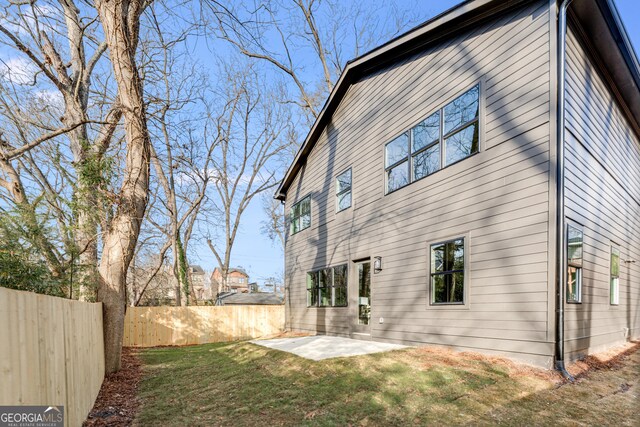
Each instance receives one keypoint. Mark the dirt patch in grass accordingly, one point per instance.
(117, 403)
(449, 357)
(609, 359)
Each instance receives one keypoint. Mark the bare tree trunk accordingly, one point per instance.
(120, 20)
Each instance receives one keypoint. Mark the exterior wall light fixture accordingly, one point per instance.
(377, 264)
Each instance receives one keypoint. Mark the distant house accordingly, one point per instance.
(469, 184)
(253, 298)
(196, 276)
(237, 280)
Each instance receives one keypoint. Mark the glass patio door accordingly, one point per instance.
(362, 324)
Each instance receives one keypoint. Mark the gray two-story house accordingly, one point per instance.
(475, 183)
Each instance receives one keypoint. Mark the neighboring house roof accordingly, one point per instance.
(197, 269)
(232, 270)
(256, 298)
(599, 19)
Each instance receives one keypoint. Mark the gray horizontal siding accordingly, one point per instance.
(603, 195)
(498, 197)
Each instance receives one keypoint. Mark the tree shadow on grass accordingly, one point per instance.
(244, 384)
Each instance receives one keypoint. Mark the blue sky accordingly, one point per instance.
(253, 250)
(261, 258)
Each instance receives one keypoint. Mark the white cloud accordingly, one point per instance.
(27, 19)
(17, 70)
(52, 98)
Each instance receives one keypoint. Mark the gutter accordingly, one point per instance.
(561, 247)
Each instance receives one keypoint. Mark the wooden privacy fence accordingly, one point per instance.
(157, 326)
(51, 352)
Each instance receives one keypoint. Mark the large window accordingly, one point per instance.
(445, 137)
(574, 264)
(300, 216)
(327, 287)
(614, 290)
(447, 272)
(343, 190)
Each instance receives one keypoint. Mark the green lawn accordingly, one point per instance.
(243, 384)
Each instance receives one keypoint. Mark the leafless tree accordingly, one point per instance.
(182, 142)
(274, 225)
(246, 162)
(120, 21)
(299, 36)
(57, 52)
(307, 43)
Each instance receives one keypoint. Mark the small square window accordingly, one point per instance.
(397, 177)
(397, 150)
(462, 110)
(461, 144)
(300, 215)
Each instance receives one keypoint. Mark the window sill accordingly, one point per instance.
(448, 306)
(325, 307)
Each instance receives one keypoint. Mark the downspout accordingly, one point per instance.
(561, 256)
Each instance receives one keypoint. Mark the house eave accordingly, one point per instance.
(612, 45)
(601, 27)
(453, 20)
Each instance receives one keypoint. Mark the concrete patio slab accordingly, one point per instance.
(322, 347)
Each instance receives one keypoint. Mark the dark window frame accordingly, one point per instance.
(464, 272)
(440, 141)
(572, 263)
(345, 191)
(292, 216)
(331, 287)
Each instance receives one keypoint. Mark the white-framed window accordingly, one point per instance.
(574, 264)
(445, 137)
(343, 190)
(300, 215)
(327, 287)
(614, 283)
(447, 272)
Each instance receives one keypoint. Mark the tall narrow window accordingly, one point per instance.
(312, 289)
(325, 283)
(614, 290)
(574, 264)
(343, 190)
(446, 136)
(447, 272)
(340, 286)
(300, 215)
